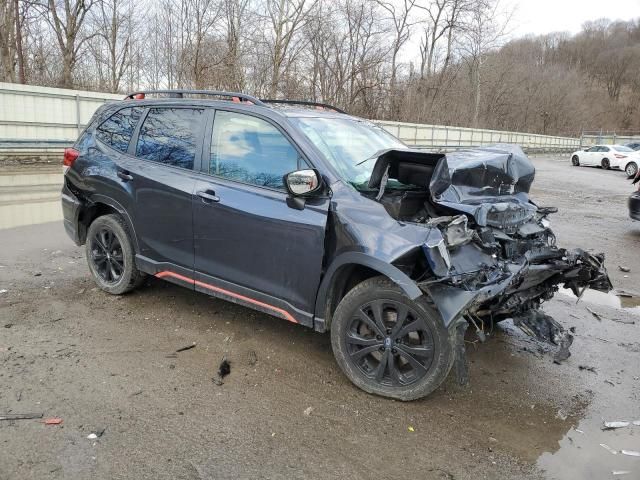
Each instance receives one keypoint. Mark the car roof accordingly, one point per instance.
(270, 109)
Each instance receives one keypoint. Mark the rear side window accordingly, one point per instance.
(250, 150)
(116, 131)
(170, 136)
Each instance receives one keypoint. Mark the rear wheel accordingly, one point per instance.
(605, 164)
(575, 161)
(110, 255)
(631, 169)
(389, 345)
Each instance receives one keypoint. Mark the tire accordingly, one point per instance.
(415, 361)
(575, 161)
(631, 169)
(111, 256)
(605, 164)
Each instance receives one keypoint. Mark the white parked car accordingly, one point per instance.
(608, 156)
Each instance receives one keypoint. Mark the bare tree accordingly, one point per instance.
(111, 48)
(7, 41)
(399, 16)
(484, 31)
(286, 18)
(67, 19)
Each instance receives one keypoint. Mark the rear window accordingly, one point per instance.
(170, 136)
(116, 131)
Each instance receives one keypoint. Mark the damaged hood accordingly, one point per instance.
(491, 184)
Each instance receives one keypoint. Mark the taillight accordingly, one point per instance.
(70, 156)
(617, 155)
(139, 96)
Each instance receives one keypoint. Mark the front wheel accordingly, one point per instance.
(110, 255)
(389, 345)
(575, 161)
(605, 163)
(631, 169)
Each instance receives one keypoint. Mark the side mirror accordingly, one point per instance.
(302, 183)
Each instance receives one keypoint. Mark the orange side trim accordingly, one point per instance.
(281, 313)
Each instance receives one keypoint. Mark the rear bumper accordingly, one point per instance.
(634, 206)
(70, 211)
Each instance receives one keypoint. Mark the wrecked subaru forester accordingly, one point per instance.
(325, 220)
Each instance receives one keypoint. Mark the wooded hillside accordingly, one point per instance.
(427, 61)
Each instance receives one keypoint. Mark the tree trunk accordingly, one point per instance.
(19, 52)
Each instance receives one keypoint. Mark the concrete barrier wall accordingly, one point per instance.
(41, 121)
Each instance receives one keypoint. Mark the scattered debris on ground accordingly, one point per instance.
(188, 347)
(624, 269)
(20, 416)
(622, 293)
(9, 325)
(595, 314)
(587, 368)
(307, 411)
(631, 453)
(253, 358)
(625, 322)
(3, 290)
(223, 370)
(620, 472)
(53, 421)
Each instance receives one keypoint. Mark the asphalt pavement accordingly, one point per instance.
(107, 366)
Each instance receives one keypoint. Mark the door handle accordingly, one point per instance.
(208, 196)
(125, 175)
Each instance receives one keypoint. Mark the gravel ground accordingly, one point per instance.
(106, 365)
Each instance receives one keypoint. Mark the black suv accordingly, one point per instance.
(306, 213)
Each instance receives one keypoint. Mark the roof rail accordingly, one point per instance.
(302, 102)
(182, 93)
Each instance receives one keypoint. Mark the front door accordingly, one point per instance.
(250, 246)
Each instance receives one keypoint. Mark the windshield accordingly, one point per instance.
(348, 144)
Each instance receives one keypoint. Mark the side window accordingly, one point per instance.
(604, 149)
(170, 136)
(116, 131)
(250, 150)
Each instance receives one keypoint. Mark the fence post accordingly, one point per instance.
(78, 114)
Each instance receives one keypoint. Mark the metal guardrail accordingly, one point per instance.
(589, 138)
(41, 119)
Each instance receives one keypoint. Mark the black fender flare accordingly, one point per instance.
(407, 285)
(97, 198)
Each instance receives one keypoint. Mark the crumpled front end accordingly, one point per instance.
(486, 276)
(490, 252)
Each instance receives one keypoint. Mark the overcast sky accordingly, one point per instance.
(545, 16)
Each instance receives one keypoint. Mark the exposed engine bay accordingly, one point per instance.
(489, 254)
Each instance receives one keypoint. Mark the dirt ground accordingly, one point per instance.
(104, 365)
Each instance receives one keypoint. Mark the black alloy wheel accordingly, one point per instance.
(107, 256)
(111, 255)
(389, 343)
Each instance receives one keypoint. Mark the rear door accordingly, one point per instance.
(159, 172)
(250, 246)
